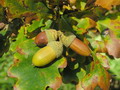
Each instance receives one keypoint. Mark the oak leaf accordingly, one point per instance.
(107, 3)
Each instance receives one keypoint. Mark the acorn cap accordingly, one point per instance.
(66, 38)
(57, 47)
(51, 35)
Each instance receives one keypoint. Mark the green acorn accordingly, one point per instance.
(48, 53)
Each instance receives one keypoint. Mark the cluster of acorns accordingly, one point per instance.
(54, 41)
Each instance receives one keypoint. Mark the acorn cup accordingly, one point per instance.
(69, 40)
(43, 38)
(48, 53)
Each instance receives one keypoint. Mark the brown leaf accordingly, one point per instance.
(2, 2)
(107, 3)
(113, 45)
(16, 61)
(92, 23)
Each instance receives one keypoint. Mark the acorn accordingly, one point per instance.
(47, 54)
(43, 38)
(70, 40)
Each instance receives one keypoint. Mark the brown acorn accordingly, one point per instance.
(70, 40)
(43, 38)
(79, 47)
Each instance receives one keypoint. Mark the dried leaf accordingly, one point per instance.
(2, 2)
(113, 45)
(107, 3)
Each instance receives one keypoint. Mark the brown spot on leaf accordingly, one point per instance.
(57, 83)
(9, 73)
(15, 87)
(20, 51)
(16, 61)
(29, 17)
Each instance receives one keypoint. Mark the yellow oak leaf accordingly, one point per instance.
(107, 3)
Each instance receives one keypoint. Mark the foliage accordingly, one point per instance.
(95, 22)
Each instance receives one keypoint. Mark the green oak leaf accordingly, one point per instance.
(31, 77)
(111, 22)
(68, 86)
(26, 8)
(35, 25)
(20, 38)
(83, 24)
(115, 68)
(48, 24)
(5, 62)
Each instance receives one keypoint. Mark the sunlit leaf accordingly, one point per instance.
(83, 24)
(107, 3)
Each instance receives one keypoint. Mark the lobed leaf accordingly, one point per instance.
(29, 76)
(98, 77)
